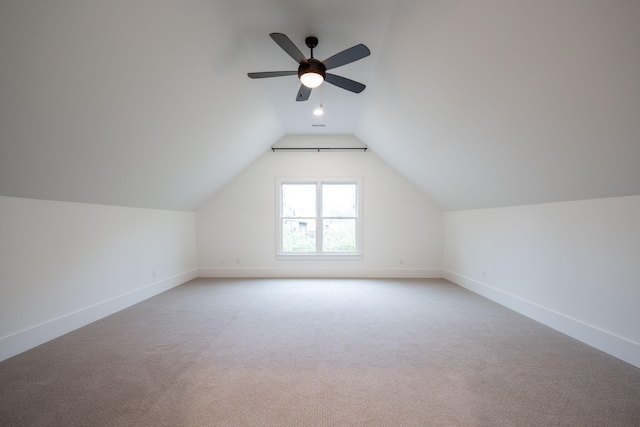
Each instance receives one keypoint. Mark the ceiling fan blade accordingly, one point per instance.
(344, 83)
(303, 93)
(287, 45)
(347, 56)
(271, 74)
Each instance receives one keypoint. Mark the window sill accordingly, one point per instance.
(320, 257)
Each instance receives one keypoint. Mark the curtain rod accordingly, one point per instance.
(318, 149)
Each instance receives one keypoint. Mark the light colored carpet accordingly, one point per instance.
(317, 353)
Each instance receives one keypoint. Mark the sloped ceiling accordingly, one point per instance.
(498, 103)
(479, 103)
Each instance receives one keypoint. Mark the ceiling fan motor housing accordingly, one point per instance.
(312, 66)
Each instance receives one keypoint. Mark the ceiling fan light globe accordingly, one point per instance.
(311, 80)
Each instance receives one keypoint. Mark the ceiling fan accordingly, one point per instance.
(312, 72)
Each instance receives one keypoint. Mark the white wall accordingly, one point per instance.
(64, 265)
(574, 266)
(399, 221)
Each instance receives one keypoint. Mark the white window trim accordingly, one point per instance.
(318, 255)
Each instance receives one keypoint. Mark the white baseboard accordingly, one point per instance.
(345, 273)
(18, 342)
(608, 342)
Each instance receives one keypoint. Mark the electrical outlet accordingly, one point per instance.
(153, 274)
(222, 261)
(401, 261)
(237, 260)
(484, 274)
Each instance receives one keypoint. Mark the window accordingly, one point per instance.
(319, 218)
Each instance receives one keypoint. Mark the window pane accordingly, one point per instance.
(339, 200)
(339, 235)
(298, 235)
(298, 200)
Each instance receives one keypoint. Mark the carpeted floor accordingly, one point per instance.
(317, 353)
